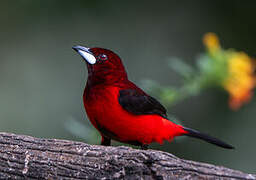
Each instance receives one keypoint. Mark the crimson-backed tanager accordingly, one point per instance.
(122, 111)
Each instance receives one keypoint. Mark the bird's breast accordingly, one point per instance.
(100, 103)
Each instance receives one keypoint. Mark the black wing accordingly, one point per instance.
(139, 103)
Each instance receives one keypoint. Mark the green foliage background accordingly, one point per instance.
(42, 79)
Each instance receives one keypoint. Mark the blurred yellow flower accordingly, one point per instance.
(230, 70)
(240, 80)
(211, 42)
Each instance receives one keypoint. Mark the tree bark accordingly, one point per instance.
(25, 157)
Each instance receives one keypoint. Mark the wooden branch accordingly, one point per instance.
(25, 157)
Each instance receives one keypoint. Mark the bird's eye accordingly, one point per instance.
(103, 57)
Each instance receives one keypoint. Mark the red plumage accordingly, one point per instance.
(105, 112)
(120, 110)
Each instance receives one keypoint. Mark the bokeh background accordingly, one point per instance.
(42, 78)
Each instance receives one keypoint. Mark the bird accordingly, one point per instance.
(122, 111)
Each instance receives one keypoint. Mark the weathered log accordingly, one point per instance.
(25, 157)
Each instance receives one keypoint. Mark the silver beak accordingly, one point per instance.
(85, 53)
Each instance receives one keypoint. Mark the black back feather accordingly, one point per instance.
(139, 103)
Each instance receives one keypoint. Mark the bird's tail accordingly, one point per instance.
(207, 138)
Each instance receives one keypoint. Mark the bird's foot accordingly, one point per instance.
(144, 146)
